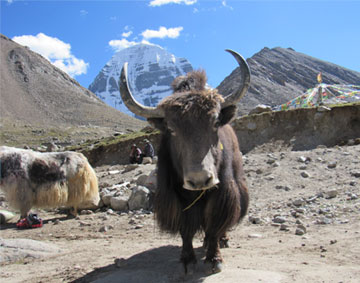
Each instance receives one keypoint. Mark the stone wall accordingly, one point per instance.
(299, 129)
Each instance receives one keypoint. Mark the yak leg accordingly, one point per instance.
(224, 241)
(187, 253)
(73, 211)
(213, 255)
(24, 211)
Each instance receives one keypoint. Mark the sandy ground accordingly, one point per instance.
(302, 226)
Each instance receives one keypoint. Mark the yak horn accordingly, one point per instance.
(245, 78)
(129, 100)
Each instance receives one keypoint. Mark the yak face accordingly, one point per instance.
(193, 117)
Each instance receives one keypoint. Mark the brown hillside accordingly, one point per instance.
(33, 92)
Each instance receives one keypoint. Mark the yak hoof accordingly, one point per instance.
(212, 267)
(190, 269)
(189, 263)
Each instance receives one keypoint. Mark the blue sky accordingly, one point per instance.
(81, 36)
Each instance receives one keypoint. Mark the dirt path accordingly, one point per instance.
(268, 246)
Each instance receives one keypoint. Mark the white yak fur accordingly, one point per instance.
(78, 186)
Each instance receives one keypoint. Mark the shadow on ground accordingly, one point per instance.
(155, 265)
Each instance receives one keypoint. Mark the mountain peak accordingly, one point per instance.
(151, 69)
(281, 74)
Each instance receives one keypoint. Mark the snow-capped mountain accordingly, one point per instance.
(151, 70)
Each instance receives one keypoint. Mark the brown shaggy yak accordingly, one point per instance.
(201, 182)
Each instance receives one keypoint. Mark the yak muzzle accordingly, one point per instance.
(200, 180)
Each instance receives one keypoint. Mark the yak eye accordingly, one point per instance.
(216, 124)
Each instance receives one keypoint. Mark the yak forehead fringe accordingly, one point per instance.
(194, 80)
(192, 96)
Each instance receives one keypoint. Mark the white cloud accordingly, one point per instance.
(119, 44)
(83, 13)
(226, 5)
(126, 34)
(155, 3)
(162, 33)
(56, 51)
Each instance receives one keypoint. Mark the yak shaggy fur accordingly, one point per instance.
(47, 180)
(192, 107)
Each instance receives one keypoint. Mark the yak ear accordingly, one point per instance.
(227, 114)
(158, 123)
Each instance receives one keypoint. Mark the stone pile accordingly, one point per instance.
(134, 194)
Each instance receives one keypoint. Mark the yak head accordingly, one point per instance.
(190, 120)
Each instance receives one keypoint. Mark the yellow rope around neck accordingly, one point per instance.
(189, 206)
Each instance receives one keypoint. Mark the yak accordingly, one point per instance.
(201, 183)
(47, 179)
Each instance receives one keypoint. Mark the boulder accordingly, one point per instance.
(119, 203)
(140, 198)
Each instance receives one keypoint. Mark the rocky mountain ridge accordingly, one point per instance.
(281, 74)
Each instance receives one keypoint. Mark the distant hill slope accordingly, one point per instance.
(280, 74)
(34, 92)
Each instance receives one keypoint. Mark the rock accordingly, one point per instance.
(356, 174)
(119, 203)
(301, 159)
(331, 194)
(305, 174)
(260, 108)
(130, 167)
(352, 196)
(103, 229)
(332, 165)
(140, 198)
(284, 227)
(141, 180)
(298, 202)
(151, 181)
(299, 232)
(83, 224)
(147, 160)
(107, 198)
(279, 219)
(302, 227)
(86, 212)
(255, 220)
(6, 216)
(323, 221)
(255, 236)
(251, 126)
(285, 188)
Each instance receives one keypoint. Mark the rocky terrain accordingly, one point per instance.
(303, 225)
(281, 74)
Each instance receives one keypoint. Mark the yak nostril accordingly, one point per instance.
(191, 183)
(209, 181)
